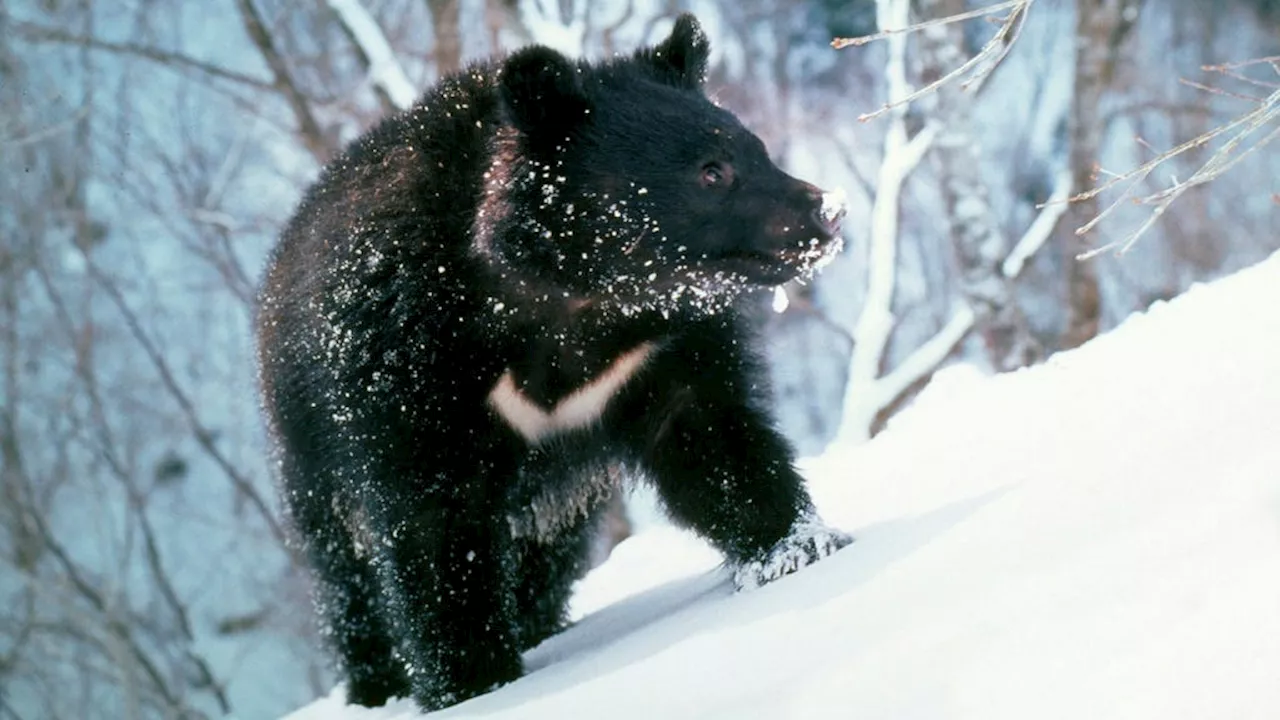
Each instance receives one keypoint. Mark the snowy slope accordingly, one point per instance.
(1095, 538)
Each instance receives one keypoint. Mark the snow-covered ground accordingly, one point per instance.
(1098, 537)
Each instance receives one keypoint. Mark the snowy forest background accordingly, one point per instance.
(150, 151)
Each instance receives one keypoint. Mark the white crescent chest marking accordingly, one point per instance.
(577, 410)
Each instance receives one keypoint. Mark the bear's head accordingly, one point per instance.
(622, 181)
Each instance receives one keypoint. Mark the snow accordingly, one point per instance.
(1095, 537)
(780, 301)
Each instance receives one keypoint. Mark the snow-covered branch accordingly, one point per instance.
(1041, 229)
(927, 357)
(385, 71)
(548, 25)
(875, 323)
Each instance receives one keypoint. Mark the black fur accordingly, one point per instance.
(542, 217)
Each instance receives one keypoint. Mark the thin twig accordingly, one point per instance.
(1163, 199)
(1219, 91)
(1218, 163)
(1017, 20)
(1220, 67)
(1231, 70)
(843, 42)
(997, 47)
(50, 131)
(1252, 118)
(114, 627)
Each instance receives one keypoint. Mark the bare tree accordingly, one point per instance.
(976, 232)
(981, 249)
(988, 265)
(108, 338)
(1101, 28)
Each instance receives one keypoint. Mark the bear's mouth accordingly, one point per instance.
(757, 267)
(784, 264)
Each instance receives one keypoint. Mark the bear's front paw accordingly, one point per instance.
(374, 687)
(808, 543)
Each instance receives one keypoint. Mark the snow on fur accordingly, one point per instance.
(1096, 537)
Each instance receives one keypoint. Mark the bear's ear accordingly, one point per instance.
(681, 59)
(541, 89)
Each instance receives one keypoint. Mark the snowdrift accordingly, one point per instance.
(1098, 537)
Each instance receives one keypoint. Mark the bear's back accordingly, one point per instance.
(366, 251)
(415, 178)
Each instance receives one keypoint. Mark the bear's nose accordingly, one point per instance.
(829, 210)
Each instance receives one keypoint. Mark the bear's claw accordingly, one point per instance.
(808, 543)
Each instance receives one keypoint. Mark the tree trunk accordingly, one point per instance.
(980, 244)
(448, 48)
(1101, 26)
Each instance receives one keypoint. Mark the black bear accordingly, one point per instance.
(493, 306)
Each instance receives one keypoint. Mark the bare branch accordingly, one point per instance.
(41, 33)
(49, 131)
(117, 631)
(994, 50)
(843, 42)
(203, 436)
(165, 584)
(1220, 91)
(1006, 39)
(1272, 60)
(1218, 163)
(308, 127)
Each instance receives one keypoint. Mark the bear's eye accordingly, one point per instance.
(715, 174)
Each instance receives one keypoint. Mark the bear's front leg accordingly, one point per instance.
(446, 581)
(727, 475)
(717, 462)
